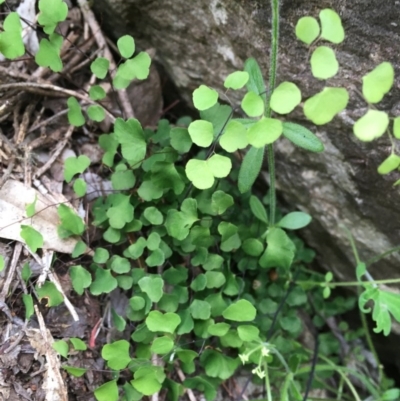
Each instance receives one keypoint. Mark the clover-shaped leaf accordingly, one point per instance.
(202, 173)
(11, 44)
(218, 365)
(99, 67)
(152, 286)
(148, 379)
(49, 53)
(51, 13)
(75, 115)
(116, 354)
(80, 278)
(280, 250)
(167, 322)
(75, 165)
(121, 211)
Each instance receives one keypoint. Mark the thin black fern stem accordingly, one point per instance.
(272, 79)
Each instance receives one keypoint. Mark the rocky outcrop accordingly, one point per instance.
(203, 41)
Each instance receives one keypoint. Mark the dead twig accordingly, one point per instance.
(59, 148)
(50, 90)
(11, 272)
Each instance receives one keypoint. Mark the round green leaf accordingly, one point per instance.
(218, 329)
(204, 97)
(253, 104)
(252, 247)
(99, 67)
(200, 309)
(162, 345)
(307, 29)
(180, 139)
(234, 137)
(389, 164)
(152, 286)
(75, 116)
(295, 220)
(96, 113)
(80, 278)
(322, 107)
(378, 82)
(199, 173)
(248, 332)
(153, 215)
(126, 46)
(96, 92)
(107, 391)
(371, 125)
(240, 311)
(323, 63)
(236, 80)
(264, 132)
(285, 98)
(220, 166)
(331, 26)
(201, 132)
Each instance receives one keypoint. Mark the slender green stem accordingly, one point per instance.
(267, 383)
(382, 255)
(272, 78)
(371, 344)
(348, 283)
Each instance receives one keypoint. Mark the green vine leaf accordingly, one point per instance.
(107, 391)
(49, 53)
(159, 322)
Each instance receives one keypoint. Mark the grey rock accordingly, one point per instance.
(203, 41)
